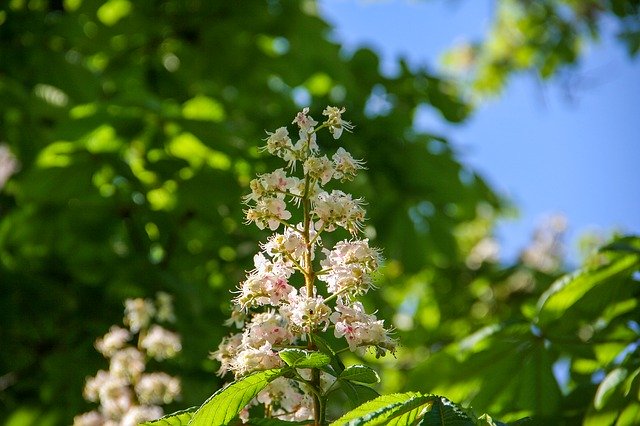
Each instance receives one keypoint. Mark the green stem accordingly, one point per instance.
(309, 278)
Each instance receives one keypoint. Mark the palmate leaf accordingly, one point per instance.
(224, 405)
(298, 358)
(504, 369)
(445, 413)
(394, 409)
(570, 289)
(179, 418)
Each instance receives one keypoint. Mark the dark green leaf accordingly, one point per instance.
(497, 367)
(568, 290)
(358, 394)
(325, 348)
(445, 413)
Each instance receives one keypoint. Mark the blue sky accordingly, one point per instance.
(546, 151)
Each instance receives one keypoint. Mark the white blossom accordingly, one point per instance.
(264, 288)
(335, 122)
(319, 169)
(125, 386)
(138, 313)
(251, 359)
(161, 343)
(115, 401)
(227, 352)
(115, 339)
(338, 208)
(92, 418)
(345, 166)
(268, 212)
(127, 363)
(141, 413)
(266, 327)
(306, 125)
(157, 388)
(360, 329)
(290, 244)
(275, 184)
(8, 164)
(349, 267)
(306, 314)
(278, 142)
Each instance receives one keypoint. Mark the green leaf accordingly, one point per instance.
(628, 244)
(298, 358)
(326, 349)
(608, 386)
(179, 418)
(445, 413)
(360, 373)
(224, 405)
(275, 422)
(498, 367)
(395, 409)
(568, 290)
(358, 394)
(630, 415)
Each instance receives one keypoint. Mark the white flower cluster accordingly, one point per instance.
(275, 308)
(8, 164)
(127, 394)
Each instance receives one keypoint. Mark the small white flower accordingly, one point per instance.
(115, 400)
(115, 339)
(8, 164)
(161, 343)
(227, 352)
(138, 313)
(127, 363)
(307, 133)
(304, 121)
(278, 142)
(268, 212)
(349, 267)
(251, 359)
(345, 166)
(157, 388)
(338, 209)
(101, 380)
(141, 413)
(266, 327)
(306, 314)
(335, 122)
(319, 169)
(360, 329)
(92, 418)
(267, 284)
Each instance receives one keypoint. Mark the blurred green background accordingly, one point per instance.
(137, 125)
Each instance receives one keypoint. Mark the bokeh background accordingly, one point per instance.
(129, 132)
